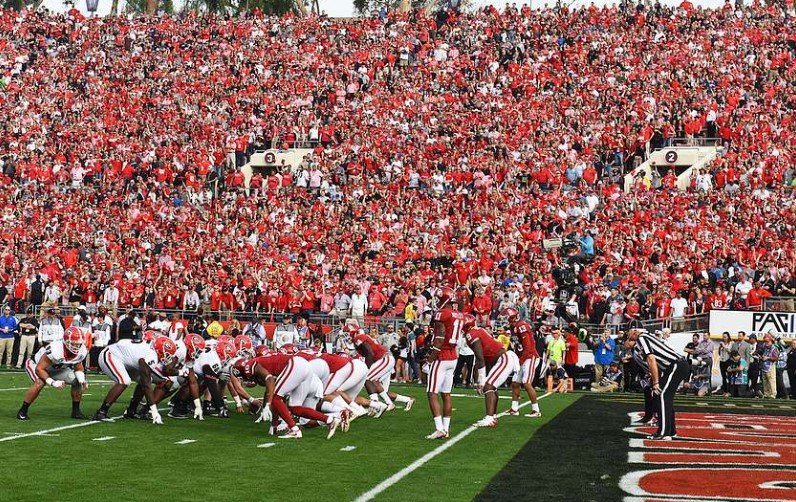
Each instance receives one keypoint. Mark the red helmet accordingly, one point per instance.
(511, 314)
(194, 345)
(243, 345)
(225, 351)
(149, 336)
(241, 369)
(73, 339)
(469, 323)
(288, 348)
(165, 348)
(262, 350)
(226, 338)
(445, 295)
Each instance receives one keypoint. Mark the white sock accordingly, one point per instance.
(327, 407)
(386, 397)
(402, 399)
(438, 423)
(356, 408)
(339, 402)
(446, 423)
(515, 405)
(375, 404)
(535, 406)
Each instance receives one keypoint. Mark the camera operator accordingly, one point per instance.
(603, 347)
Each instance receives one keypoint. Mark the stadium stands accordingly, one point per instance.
(444, 151)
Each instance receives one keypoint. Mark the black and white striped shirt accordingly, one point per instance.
(665, 356)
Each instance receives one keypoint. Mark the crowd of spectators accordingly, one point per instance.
(445, 149)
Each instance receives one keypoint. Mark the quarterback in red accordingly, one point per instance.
(380, 365)
(522, 343)
(504, 363)
(442, 357)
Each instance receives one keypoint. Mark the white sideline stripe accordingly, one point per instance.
(186, 441)
(266, 445)
(26, 388)
(398, 476)
(14, 388)
(47, 432)
(19, 433)
(104, 438)
(348, 448)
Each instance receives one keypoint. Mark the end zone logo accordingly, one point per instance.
(718, 457)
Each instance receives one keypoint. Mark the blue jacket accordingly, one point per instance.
(11, 323)
(603, 354)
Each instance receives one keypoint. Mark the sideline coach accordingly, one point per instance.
(667, 369)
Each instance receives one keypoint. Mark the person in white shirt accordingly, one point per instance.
(50, 327)
(110, 298)
(743, 287)
(256, 331)
(359, 305)
(679, 305)
(161, 325)
(52, 294)
(286, 333)
(190, 300)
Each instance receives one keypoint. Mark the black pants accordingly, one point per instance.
(723, 369)
(650, 405)
(792, 378)
(464, 361)
(754, 377)
(671, 379)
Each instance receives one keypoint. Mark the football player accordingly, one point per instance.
(127, 361)
(281, 375)
(188, 350)
(503, 362)
(380, 364)
(524, 344)
(442, 357)
(58, 364)
(346, 379)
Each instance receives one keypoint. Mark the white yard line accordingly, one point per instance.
(398, 476)
(55, 429)
(47, 432)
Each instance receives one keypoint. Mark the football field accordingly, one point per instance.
(235, 459)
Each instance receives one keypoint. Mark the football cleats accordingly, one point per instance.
(445, 296)
(194, 345)
(511, 315)
(225, 351)
(244, 346)
(149, 336)
(469, 323)
(73, 340)
(165, 348)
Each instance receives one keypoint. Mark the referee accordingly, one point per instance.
(667, 369)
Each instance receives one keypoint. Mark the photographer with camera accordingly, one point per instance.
(603, 348)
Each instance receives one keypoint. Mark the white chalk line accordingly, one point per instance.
(398, 476)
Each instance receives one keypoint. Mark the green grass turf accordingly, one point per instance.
(143, 463)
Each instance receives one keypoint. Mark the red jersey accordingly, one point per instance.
(307, 354)
(490, 347)
(522, 341)
(362, 339)
(273, 364)
(335, 361)
(452, 321)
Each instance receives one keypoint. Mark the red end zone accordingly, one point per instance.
(760, 449)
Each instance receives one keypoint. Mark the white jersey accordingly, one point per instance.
(129, 353)
(208, 361)
(57, 355)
